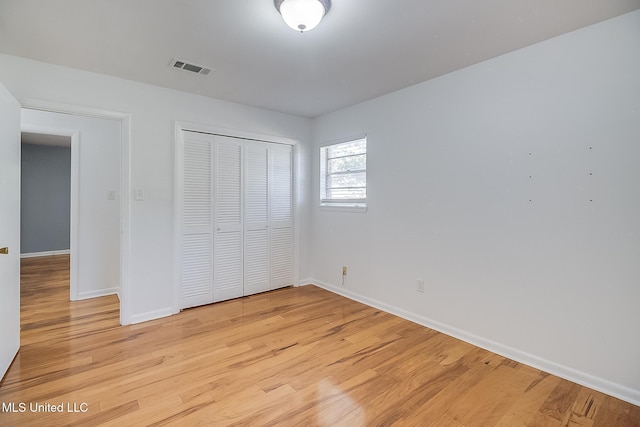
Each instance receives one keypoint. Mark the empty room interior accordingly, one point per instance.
(322, 213)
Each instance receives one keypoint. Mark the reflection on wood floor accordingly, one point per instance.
(296, 356)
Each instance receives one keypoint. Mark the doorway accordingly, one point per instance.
(45, 221)
(45, 200)
(48, 202)
(94, 174)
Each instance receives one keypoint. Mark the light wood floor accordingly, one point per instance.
(298, 356)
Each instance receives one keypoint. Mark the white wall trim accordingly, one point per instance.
(151, 315)
(341, 140)
(74, 217)
(81, 110)
(613, 389)
(98, 293)
(46, 253)
(125, 220)
(234, 133)
(296, 197)
(125, 187)
(178, 172)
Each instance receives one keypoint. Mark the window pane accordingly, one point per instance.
(344, 164)
(347, 180)
(347, 194)
(354, 147)
(343, 172)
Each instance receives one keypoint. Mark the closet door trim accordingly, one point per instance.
(180, 128)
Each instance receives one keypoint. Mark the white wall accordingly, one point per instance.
(153, 113)
(555, 281)
(98, 251)
(552, 282)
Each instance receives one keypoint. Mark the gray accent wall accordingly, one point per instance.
(45, 199)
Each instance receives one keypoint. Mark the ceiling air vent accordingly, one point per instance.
(184, 65)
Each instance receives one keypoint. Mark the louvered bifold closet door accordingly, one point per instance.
(228, 276)
(281, 215)
(197, 222)
(256, 219)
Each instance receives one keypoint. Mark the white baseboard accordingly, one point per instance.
(600, 384)
(151, 315)
(47, 253)
(97, 293)
(305, 282)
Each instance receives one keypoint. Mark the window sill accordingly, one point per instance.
(343, 208)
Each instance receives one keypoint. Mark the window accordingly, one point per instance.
(343, 174)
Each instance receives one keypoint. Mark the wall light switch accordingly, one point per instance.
(111, 195)
(139, 194)
(420, 285)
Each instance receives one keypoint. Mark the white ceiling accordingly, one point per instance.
(361, 50)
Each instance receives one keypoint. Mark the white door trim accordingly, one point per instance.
(125, 187)
(233, 133)
(180, 127)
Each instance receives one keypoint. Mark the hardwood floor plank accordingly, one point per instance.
(524, 411)
(296, 356)
(490, 399)
(558, 403)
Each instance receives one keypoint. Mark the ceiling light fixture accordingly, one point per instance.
(302, 15)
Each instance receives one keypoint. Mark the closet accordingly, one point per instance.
(235, 216)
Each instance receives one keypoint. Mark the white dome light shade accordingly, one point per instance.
(302, 15)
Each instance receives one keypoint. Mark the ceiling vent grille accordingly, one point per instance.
(184, 65)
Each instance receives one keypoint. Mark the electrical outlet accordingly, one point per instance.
(344, 270)
(420, 285)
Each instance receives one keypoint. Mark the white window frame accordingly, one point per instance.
(351, 205)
